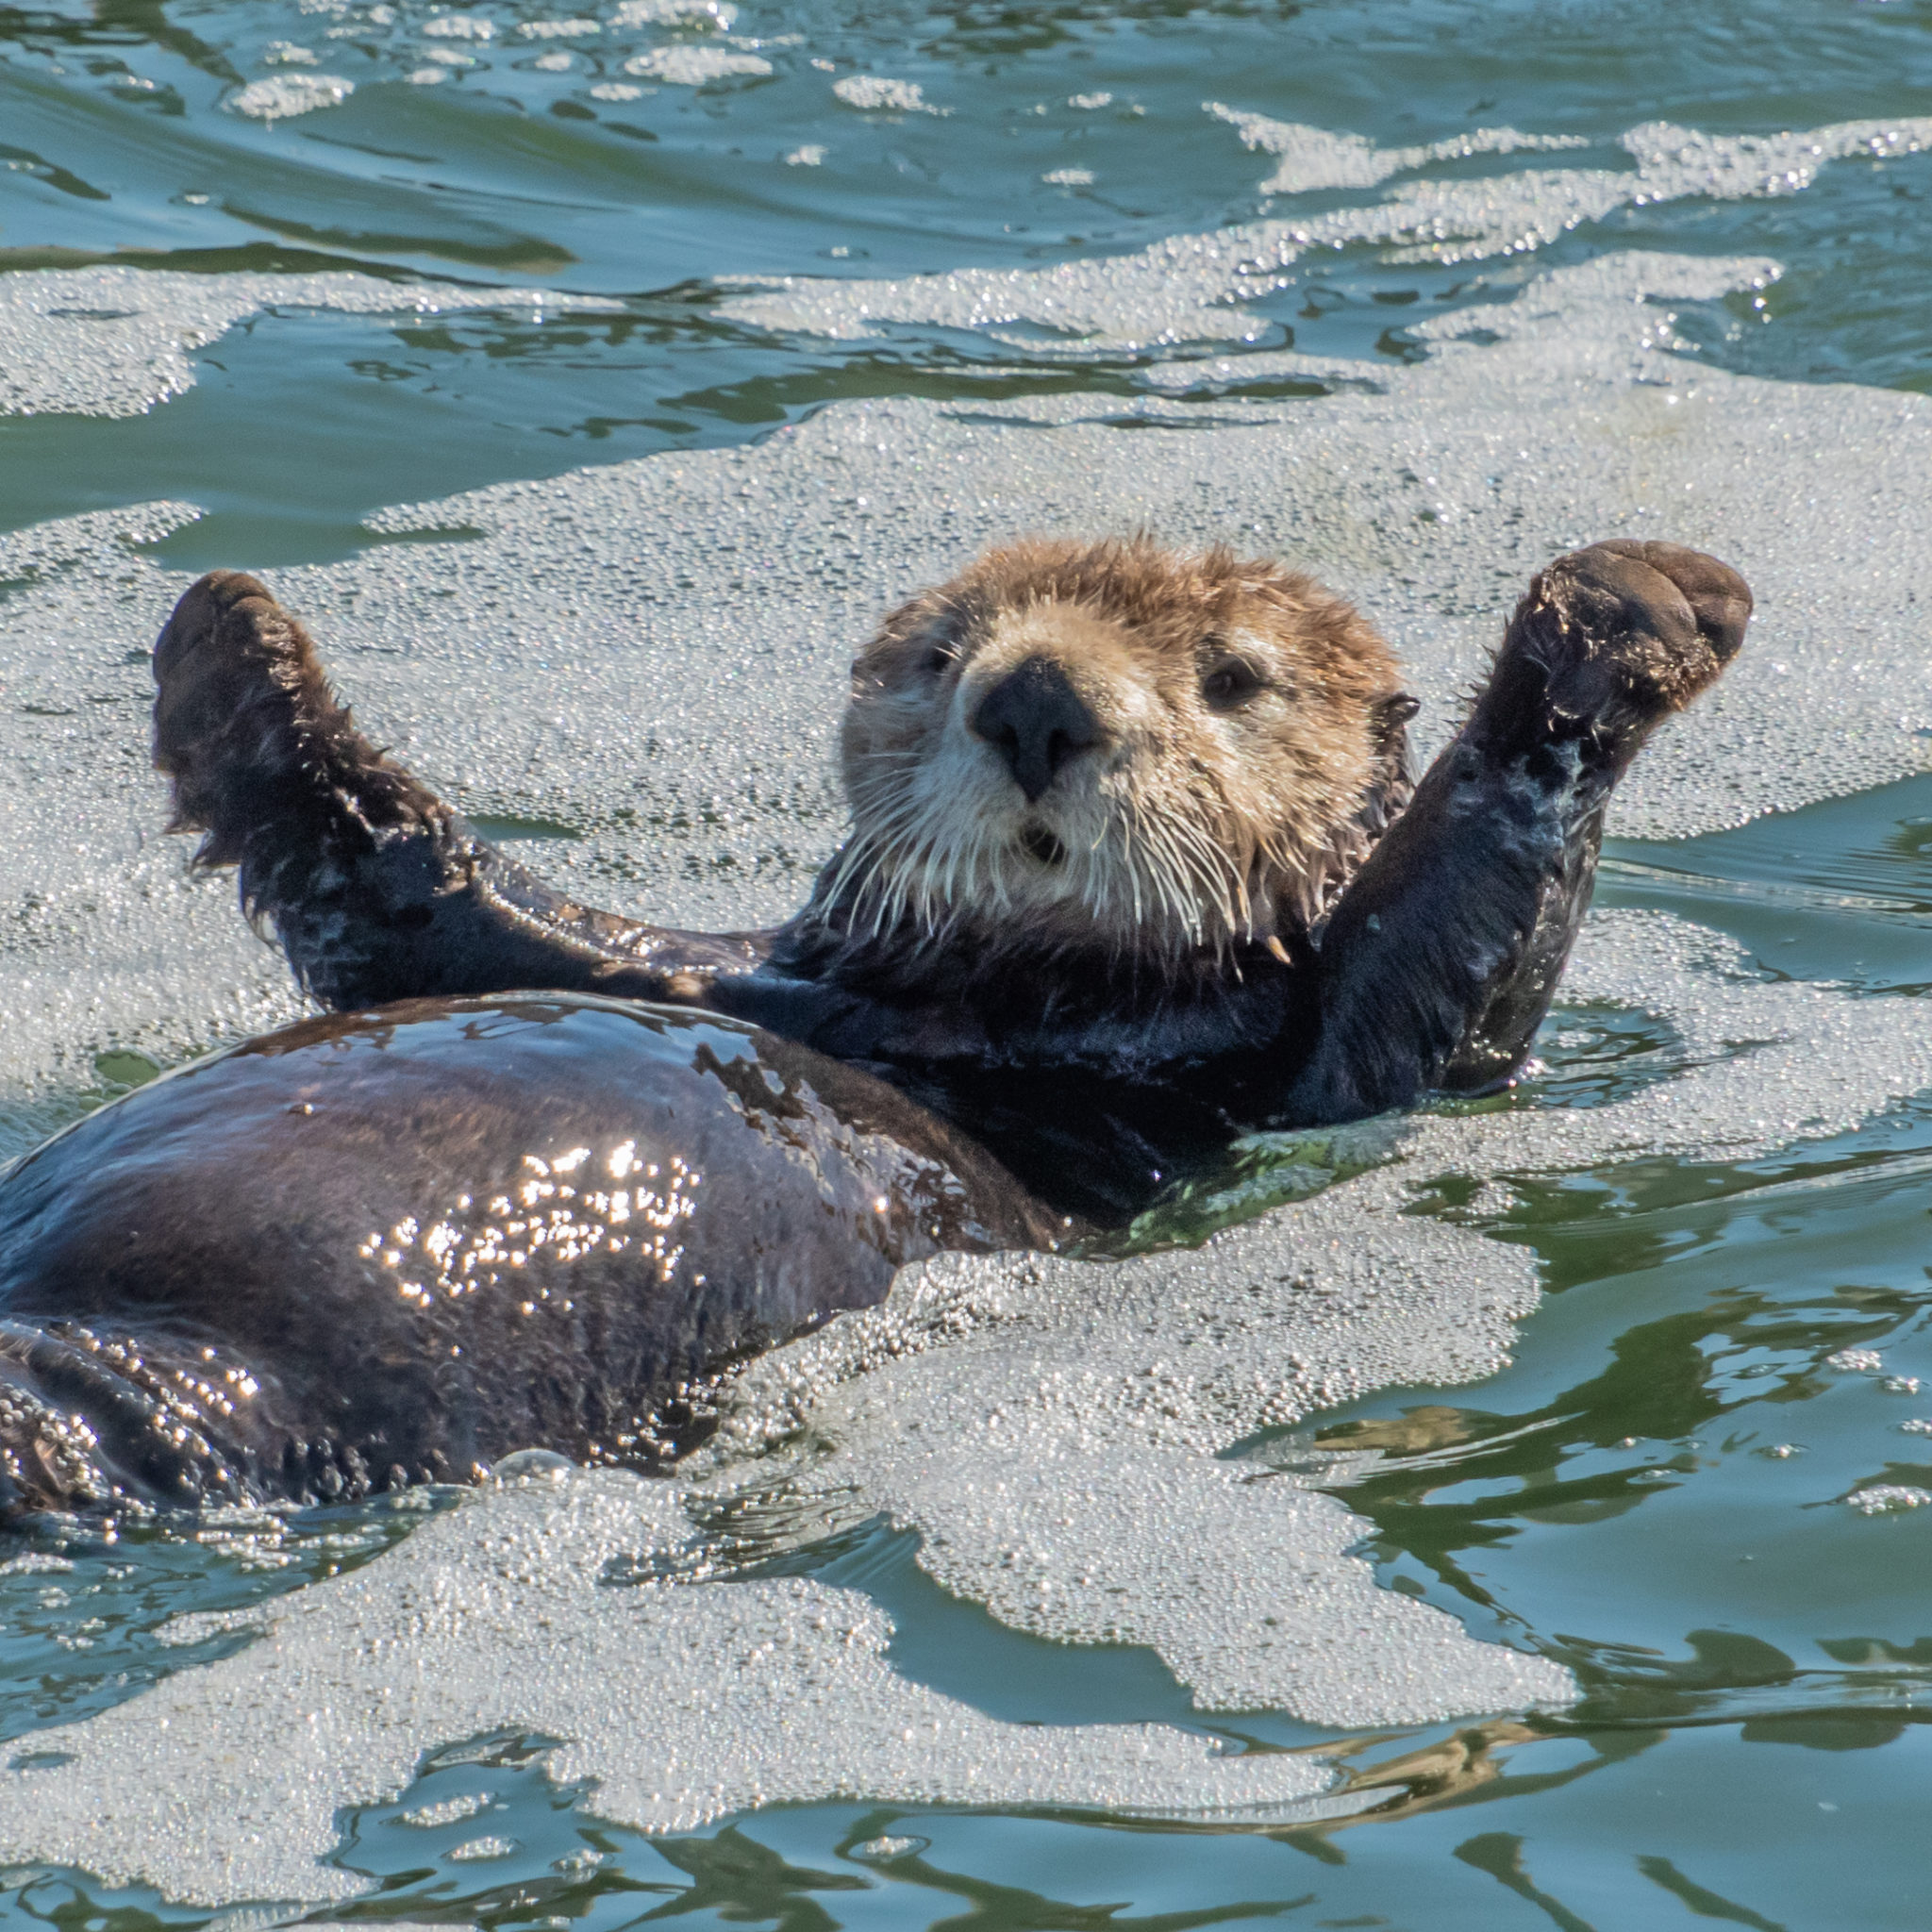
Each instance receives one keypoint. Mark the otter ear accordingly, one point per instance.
(1390, 786)
(1395, 776)
(1392, 713)
(1389, 732)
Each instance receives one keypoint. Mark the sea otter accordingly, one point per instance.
(1138, 862)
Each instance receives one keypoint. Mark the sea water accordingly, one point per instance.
(1517, 1513)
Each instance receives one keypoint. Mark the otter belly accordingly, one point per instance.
(394, 1246)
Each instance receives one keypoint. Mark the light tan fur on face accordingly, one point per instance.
(1194, 823)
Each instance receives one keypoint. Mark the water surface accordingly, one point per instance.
(1698, 1486)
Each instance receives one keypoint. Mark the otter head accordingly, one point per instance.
(1112, 745)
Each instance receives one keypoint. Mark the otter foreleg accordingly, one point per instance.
(377, 889)
(1443, 956)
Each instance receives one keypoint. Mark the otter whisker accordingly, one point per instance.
(1220, 874)
(1129, 865)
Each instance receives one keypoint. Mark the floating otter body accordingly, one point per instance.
(1138, 864)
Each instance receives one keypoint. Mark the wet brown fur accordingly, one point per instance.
(251, 734)
(1193, 825)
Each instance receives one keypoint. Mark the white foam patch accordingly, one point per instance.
(1888, 1499)
(1314, 157)
(1191, 288)
(694, 66)
(114, 341)
(873, 92)
(1051, 1427)
(459, 26)
(687, 13)
(284, 95)
(684, 1704)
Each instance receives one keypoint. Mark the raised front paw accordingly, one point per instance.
(1611, 640)
(234, 677)
(259, 747)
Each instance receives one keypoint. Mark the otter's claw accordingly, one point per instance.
(1611, 640)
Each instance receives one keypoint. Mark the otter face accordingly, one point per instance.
(1114, 744)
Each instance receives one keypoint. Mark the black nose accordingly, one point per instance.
(1035, 720)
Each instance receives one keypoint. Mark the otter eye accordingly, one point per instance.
(939, 649)
(1230, 684)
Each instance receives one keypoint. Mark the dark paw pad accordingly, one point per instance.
(1620, 635)
(1719, 598)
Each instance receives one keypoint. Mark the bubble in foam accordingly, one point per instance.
(284, 95)
(448, 1811)
(1888, 1499)
(493, 1845)
(1313, 157)
(873, 92)
(688, 66)
(1735, 167)
(692, 13)
(1856, 1361)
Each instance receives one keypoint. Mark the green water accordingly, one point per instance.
(1653, 1492)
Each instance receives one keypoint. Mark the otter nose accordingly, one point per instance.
(1036, 721)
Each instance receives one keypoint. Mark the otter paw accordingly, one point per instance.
(245, 724)
(228, 653)
(225, 617)
(1617, 636)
